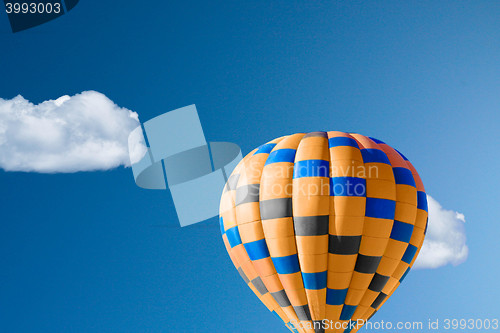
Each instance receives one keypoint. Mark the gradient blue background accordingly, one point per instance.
(91, 252)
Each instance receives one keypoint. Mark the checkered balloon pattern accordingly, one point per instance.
(323, 226)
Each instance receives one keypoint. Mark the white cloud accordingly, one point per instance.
(445, 240)
(84, 132)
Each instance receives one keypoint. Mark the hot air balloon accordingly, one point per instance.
(323, 227)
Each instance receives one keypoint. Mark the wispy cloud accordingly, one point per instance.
(445, 240)
(84, 132)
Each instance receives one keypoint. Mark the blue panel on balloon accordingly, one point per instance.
(233, 236)
(281, 155)
(336, 296)
(257, 250)
(286, 265)
(342, 141)
(315, 281)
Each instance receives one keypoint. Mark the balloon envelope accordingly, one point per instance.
(323, 227)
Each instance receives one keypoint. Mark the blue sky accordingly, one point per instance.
(91, 252)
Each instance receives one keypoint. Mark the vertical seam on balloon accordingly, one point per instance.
(295, 235)
(360, 147)
(383, 255)
(363, 232)
(277, 147)
(275, 303)
(291, 310)
(302, 143)
(334, 218)
(329, 219)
